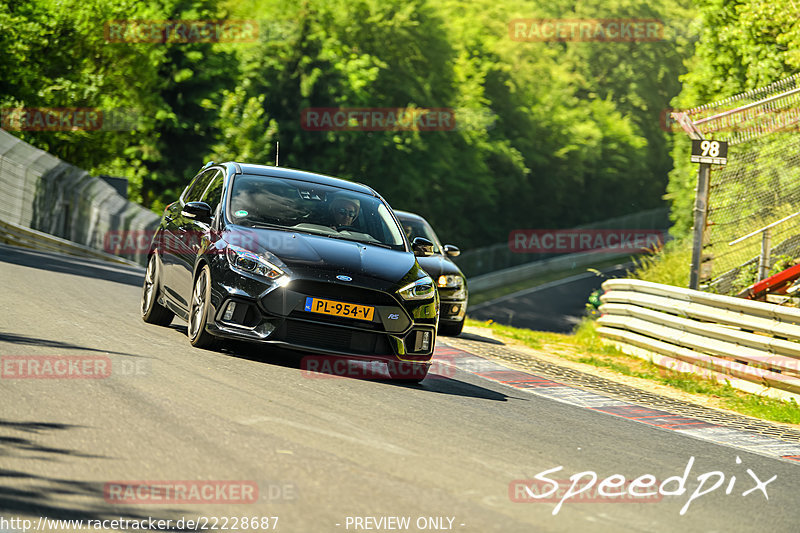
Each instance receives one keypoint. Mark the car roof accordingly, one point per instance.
(303, 175)
(408, 215)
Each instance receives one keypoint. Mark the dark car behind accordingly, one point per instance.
(450, 281)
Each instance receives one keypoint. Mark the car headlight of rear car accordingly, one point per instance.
(246, 261)
(422, 289)
(451, 281)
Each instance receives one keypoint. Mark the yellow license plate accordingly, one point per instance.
(334, 308)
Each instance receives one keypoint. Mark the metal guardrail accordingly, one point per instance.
(753, 345)
(17, 235)
(766, 244)
(490, 259)
(519, 273)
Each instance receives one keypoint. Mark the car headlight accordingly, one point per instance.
(246, 261)
(422, 289)
(450, 281)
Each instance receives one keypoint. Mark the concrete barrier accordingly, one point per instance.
(43, 193)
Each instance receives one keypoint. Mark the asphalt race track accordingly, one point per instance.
(557, 306)
(321, 453)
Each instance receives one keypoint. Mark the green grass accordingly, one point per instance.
(670, 266)
(585, 346)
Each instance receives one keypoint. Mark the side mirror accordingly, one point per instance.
(199, 211)
(422, 247)
(451, 250)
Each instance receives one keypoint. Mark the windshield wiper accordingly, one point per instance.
(376, 243)
(267, 225)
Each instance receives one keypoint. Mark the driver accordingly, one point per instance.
(344, 211)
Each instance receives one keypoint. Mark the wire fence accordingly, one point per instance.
(759, 186)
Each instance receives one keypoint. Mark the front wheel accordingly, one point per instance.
(451, 330)
(198, 310)
(407, 372)
(152, 311)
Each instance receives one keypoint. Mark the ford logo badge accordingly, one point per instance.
(344, 278)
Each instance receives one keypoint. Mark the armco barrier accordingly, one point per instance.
(41, 192)
(477, 262)
(753, 345)
(519, 273)
(30, 238)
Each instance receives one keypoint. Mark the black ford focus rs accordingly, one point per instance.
(293, 258)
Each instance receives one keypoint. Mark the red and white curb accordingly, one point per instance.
(547, 388)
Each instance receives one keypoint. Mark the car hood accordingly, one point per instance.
(437, 265)
(320, 257)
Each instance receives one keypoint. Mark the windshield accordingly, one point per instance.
(419, 228)
(264, 201)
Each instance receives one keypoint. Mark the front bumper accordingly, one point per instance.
(273, 314)
(453, 304)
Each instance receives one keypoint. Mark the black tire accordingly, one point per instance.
(152, 311)
(407, 372)
(451, 330)
(198, 310)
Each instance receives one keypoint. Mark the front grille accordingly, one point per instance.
(337, 320)
(342, 293)
(333, 338)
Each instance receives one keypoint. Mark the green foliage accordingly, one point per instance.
(669, 266)
(745, 277)
(744, 44)
(550, 134)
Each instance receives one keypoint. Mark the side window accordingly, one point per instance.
(213, 194)
(199, 185)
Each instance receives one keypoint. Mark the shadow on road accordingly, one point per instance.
(76, 266)
(50, 497)
(435, 382)
(480, 338)
(49, 343)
